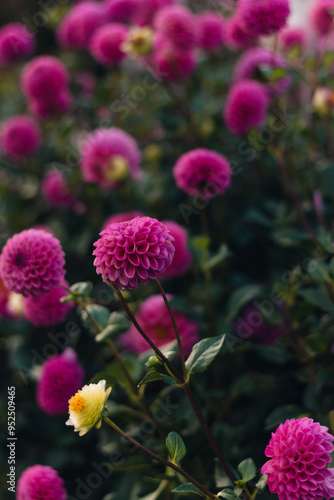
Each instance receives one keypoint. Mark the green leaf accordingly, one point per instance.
(262, 482)
(203, 353)
(189, 488)
(82, 288)
(240, 298)
(228, 494)
(289, 238)
(218, 259)
(99, 313)
(247, 469)
(175, 446)
(117, 323)
(154, 376)
(238, 490)
(317, 298)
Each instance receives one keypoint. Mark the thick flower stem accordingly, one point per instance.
(176, 330)
(208, 433)
(163, 461)
(166, 361)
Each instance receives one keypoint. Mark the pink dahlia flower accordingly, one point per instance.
(109, 156)
(122, 217)
(148, 9)
(321, 16)
(80, 23)
(16, 43)
(263, 17)
(106, 43)
(246, 106)
(40, 482)
(210, 31)
(55, 105)
(237, 36)
(121, 11)
(252, 326)
(178, 25)
(182, 257)
(132, 252)
(156, 323)
(20, 137)
(56, 190)
(61, 377)
(32, 262)
(203, 171)
(251, 62)
(170, 63)
(46, 309)
(299, 452)
(292, 37)
(44, 77)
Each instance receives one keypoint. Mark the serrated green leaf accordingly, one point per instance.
(203, 353)
(82, 288)
(228, 494)
(99, 313)
(262, 482)
(150, 377)
(175, 446)
(238, 490)
(247, 469)
(189, 488)
(117, 323)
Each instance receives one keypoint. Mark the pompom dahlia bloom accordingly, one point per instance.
(32, 262)
(246, 106)
(55, 105)
(44, 77)
(121, 11)
(61, 377)
(237, 36)
(78, 26)
(210, 31)
(109, 156)
(178, 25)
(292, 37)
(252, 326)
(148, 9)
(251, 62)
(132, 252)
(46, 309)
(106, 43)
(20, 137)
(170, 63)
(40, 482)
(155, 321)
(322, 16)
(86, 407)
(182, 258)
(16, 43)
(263, 17)
(121, 217)
(299, 452)
(56, 190)
(204, 171)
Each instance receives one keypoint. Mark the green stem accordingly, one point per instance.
(176, 330)
(163, 461)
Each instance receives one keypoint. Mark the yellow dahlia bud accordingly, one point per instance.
(86, 407)
(139, 42)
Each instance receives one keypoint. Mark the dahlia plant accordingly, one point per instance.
(167, 250)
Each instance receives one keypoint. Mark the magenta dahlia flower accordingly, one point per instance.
(237, 36)
(170, 63)
(246, 106)
(61, 377)
(55, 105)
(44, 77)
(80, 23)
(20, 137)
(4, 297)
(292, 37)
(40, 482)
(16, 42)
(251, 62)
(122, 217)
(252, 326)
(210, 31)
(182, 257)
(203, 171)
(32, 262)
(56, 190)
(109, 156)
(132, 252)
(121, 11)
(148, 9)
(106, 43)
(46, 309)
(155, 321)
(178, 25)
(321, 16)
(263, 17)
(299, 452)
